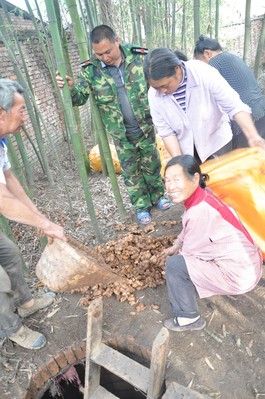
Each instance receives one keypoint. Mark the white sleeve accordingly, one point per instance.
(4, 163)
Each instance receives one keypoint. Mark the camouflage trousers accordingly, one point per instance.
(140, 164)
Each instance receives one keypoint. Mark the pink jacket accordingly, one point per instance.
(210, 103)
(219, 257)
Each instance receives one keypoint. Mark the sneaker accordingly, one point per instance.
(41, 302)
(172, 324)
(29, 339)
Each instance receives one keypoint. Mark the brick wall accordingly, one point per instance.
(42, 84)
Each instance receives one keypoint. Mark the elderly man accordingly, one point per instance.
(115, 76)
(17, 206)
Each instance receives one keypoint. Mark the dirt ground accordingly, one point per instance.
(226, 360)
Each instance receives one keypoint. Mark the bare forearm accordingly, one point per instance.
(15, 188)
(13, 209)
(246, 124)
(172, 145)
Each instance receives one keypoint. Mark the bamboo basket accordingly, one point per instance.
(66, 266)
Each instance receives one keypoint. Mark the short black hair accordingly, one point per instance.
(206, 43)
(102, 32)
(190, 166)
(160, 63)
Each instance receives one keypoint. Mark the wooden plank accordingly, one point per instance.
(158, 365)
(122, 366)
(93, 341)
(102, 393)
(176, 391)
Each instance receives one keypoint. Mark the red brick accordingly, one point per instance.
(83, 346)
(37, 378)
(70, 356)
(28, 395)
(45, 374)
(39, 381)
(79, 353)
(53, 367)
(32, 389)
(61, 360)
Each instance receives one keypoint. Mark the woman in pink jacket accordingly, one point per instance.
(213, 255)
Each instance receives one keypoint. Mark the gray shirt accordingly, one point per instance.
(129, 119)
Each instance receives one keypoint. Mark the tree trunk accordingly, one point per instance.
(247, 31)
(260, 48)
(184, 29)
(217, 18)
(196, 15)
(106, 12)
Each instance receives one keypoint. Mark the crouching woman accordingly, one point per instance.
(213, 255)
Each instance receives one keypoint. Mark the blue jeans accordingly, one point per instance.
(13, 287)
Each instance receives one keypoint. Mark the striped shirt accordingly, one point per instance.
(180, 93)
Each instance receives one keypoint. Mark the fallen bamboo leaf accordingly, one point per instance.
(207, 361)
(218, 356)
(224, 330)
(212, 316)
(238, 342)
(156, 311)
(190, 383)
(52, 313)
(248, 351)
(214, 336)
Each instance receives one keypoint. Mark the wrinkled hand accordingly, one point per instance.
(52, 230)
(167, 252)
(257, 142)
(60, 81)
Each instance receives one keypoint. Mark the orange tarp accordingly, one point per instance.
(238, 178)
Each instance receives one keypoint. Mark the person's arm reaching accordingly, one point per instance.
(172, 145)
(16, 205)
(15, 188)
(246, 124)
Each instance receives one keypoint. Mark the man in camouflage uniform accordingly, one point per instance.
(115, 76)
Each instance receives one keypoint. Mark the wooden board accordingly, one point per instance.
(177, 391)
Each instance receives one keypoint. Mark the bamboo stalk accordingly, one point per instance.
(70, 114)
(80, 38)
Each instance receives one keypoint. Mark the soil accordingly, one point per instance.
(226, 360)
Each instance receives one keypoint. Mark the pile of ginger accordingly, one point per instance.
(134, 256)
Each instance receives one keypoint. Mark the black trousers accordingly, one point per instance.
(239, 139)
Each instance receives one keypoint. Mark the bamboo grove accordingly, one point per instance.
(149, 23)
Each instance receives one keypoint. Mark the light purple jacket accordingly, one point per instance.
(220, 259)
(210, 103)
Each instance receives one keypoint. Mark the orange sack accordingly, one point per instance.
(238, 178)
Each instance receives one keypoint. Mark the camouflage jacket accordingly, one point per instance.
(94, 78)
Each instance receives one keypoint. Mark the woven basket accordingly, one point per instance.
(66, 266)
